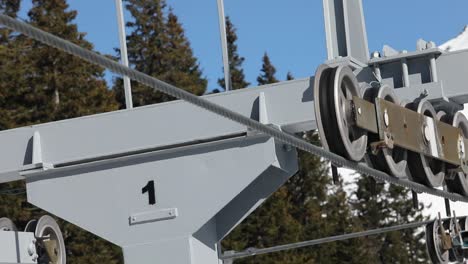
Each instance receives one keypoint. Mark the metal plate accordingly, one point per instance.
(448, 137)
(365, 116)
(405, 127)
(153, 216)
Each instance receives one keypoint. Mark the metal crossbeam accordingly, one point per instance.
(286, 138)
(229, 255)
(150, 130)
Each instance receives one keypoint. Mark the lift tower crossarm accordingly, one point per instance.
(288, 105)
(169, 191)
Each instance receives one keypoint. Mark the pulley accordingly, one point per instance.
(7, 225)
(390, 160)
(51, 245)
(424, 169)
(31, 226)
(334, 91)
(459, 183)
(437, 242)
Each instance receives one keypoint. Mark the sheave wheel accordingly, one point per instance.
(460, 183)
(434, 244)
(426, 170)
(7, 225)
(51, 248)
(334, 91)
(392, 161)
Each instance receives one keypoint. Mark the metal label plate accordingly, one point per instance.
(148, 217)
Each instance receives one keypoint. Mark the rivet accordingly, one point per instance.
(386, 118)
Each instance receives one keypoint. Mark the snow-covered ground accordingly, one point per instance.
(458, 43)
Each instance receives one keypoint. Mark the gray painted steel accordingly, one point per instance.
(123, 52)
(144, 129)
(224, 45)
(231, 255)
(17, 247)
(345, 30)
(212, 186)
(209, 172)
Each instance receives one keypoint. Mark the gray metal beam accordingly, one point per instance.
(17, 248)
(346, 30)
(123, 53)
(453, 74)
(289, 105)
(224, 45)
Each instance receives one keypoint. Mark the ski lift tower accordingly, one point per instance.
(168, 182)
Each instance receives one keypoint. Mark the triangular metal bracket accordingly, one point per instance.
(37, 162)
(263, 114)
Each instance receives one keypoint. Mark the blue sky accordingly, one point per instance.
(290, 31)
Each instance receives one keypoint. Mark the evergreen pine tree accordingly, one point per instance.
(41, 84)
(235, 60)
(379, 205)
(289, 76)
(268, 72)
(158, 47)
(181, 67)
(9, 8)
(9, 61)
(145, 49)
(307, 207)
(62, 86)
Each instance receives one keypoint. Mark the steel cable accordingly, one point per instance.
(154, 83)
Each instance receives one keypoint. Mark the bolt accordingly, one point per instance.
(359, 111)
(386, 118)
(461, 148)
(375, 54)
(133, 219)
(427, 133)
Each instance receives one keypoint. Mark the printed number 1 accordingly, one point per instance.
(149, 188)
